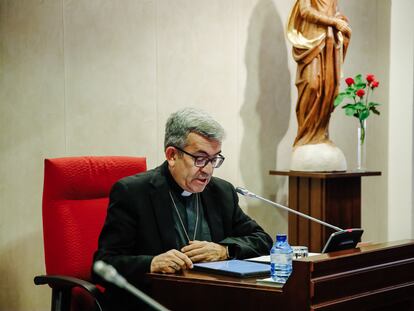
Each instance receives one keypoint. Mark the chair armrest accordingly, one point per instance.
(61, 281)
(61, 290)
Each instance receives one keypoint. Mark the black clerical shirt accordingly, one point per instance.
(185, 207)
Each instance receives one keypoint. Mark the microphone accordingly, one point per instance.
(247, 193)
(342, 239)
(110, 274)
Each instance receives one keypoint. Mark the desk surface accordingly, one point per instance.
(374, 275)
(197, 277)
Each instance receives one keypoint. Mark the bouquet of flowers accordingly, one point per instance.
(358, 91)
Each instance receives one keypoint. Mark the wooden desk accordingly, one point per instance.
(334, 197)
(376, 277)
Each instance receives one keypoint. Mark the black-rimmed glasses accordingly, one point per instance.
(202, 161)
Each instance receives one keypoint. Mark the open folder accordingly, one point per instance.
(234, 267)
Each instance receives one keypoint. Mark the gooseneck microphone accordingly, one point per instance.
(110, 274)
(247, 193)
(342, 239)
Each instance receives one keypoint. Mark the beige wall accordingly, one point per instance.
(100, 78)
(400, 129)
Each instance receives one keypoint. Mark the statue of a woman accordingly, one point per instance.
(320, 35)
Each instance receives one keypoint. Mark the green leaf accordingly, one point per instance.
(364, 114)
(349, 105)
(358, 79)
(350, 111)
(350, 94)
(359, 106)
(339, 99)
(374, 110)
(361, 85)
(372, 104)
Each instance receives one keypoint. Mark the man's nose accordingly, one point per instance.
(208, 169)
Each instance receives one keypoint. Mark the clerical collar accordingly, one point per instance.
(186, 193)
(173, 184)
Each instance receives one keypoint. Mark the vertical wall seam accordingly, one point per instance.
(238, 82)
(156, 89)
(64, 77)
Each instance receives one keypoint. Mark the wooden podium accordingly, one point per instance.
(332, 197)
(378, 277)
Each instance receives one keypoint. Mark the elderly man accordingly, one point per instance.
(166, 219)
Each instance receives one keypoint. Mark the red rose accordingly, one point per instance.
(360, 93)
(370, 78)
(349, 81)
(374, 84)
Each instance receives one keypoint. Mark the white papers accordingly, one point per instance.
(266, 258)
(270, 281)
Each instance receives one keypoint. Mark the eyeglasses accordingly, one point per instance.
(202, 161)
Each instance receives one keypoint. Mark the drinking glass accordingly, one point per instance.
(299, 252)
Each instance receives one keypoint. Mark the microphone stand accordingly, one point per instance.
(341, 239)
(247, 193)
(110, 274)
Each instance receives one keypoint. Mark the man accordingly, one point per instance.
(166, 219)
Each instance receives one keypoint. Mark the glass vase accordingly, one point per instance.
(362, 142)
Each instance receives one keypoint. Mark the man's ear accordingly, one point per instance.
(171, 155)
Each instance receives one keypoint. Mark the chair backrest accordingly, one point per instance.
(75, 201)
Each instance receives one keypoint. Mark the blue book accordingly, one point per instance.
(234, 267)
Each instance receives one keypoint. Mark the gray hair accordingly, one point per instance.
(191, 120)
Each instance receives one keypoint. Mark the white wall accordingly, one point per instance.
(101, 77)
(400, 130)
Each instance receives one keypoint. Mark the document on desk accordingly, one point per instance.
(266, 258)
(270, 281)
(234, 267)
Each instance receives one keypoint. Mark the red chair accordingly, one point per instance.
(75, 200)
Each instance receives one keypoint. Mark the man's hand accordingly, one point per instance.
(205, 251)
(171, 262)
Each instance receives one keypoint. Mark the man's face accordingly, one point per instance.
(185, 173)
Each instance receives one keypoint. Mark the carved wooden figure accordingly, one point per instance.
(320, 35)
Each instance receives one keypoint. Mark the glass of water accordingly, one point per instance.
(300, 252)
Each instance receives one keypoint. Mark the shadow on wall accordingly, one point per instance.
(266, 109)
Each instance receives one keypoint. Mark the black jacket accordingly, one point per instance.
(139, 223)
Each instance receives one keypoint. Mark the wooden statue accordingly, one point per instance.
(320, 35)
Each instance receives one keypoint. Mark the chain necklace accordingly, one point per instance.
(181, 221)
